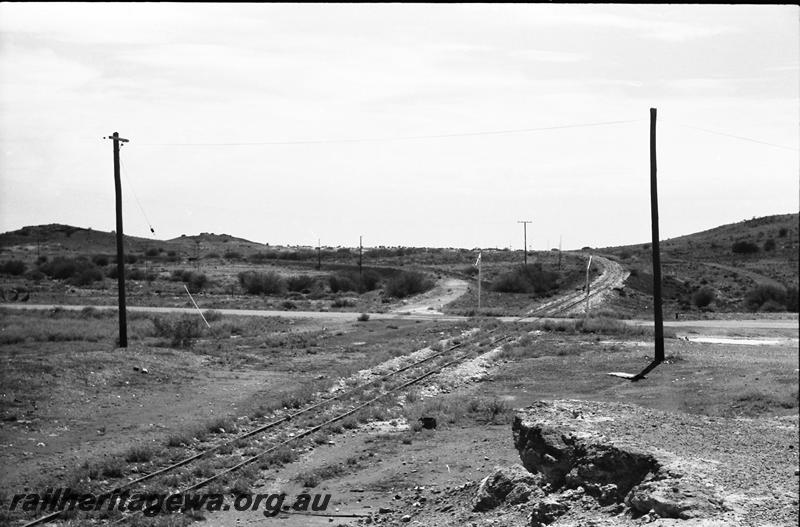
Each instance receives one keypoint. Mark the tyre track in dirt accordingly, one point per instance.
(430, 303)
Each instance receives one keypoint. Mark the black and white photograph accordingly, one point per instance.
(436, 265)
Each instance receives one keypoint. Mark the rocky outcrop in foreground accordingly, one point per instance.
(567, 461)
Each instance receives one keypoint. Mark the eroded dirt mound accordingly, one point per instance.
(569, 455)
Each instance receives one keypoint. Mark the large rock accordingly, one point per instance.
(600, 466)
(544, 449)
(568, 453)
(497, 486)
(522, 492)
(670, 498)
(546, 511)
(567, 458)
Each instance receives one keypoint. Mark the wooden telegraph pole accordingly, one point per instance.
(658, 315)
(123, 324)
(525, 239)
(657, 308)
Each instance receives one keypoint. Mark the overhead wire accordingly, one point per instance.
(401, 138)
(435, 136)
(731, 135)
(466, 134)
(135, 196)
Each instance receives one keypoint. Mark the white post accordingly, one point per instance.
(478, 264)
(195, 305)
(479, 285)
(587, 284)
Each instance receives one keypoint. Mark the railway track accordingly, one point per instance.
(326, 412)
(613, 275)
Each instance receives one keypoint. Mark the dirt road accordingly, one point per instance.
(343, 316)
(418, 313)
(431, 303)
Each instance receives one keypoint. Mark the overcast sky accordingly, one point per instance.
(344, 99)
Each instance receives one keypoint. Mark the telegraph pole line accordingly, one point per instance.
(123, 324)
(525, 238)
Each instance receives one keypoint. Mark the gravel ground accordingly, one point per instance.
(752, 464)
(749, 464)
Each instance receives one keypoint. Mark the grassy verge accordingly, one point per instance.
(600, 325)
(455, 410)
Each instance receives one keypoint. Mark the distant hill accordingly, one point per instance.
(61, 239)
(209, 243)
(754, 228)
(769, 244)
(210, 237)
(732, 260)
(71, 238)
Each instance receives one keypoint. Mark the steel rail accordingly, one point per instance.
(267, 426)
(318, 427)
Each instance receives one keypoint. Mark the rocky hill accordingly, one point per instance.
(745, 266)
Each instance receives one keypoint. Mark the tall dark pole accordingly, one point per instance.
(657, 311)
(360, 259)
(525, 239)
(123, 324)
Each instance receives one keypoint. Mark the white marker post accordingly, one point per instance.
(195, 305)
(588, 266)
(478, 265)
